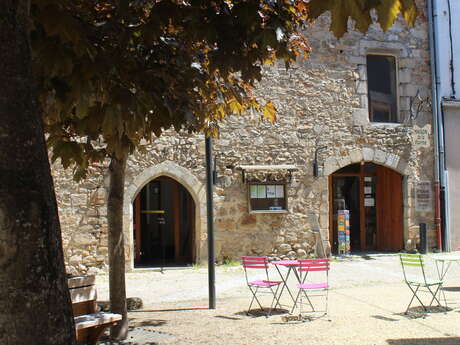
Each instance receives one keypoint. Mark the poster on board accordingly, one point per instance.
(271, 191)
(261, 191)
(279, 191)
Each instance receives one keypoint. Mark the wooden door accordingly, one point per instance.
(389, 210)
(137, 228)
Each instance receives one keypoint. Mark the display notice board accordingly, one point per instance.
(343, 231)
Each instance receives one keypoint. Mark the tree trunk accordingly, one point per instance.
(34, 299)
(117, 245)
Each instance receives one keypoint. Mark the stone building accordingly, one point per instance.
(345, 138)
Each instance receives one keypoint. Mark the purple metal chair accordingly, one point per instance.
(251, 263)
(314, 282)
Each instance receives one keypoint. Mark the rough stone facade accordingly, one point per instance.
(321, 101)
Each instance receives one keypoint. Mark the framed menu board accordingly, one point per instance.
(267, 198)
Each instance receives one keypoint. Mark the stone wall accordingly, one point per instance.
(321, 101)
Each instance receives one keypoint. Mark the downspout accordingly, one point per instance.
(438, 137)
(451, 63)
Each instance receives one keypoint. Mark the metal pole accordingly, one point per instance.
(210, 206)
(437, 124)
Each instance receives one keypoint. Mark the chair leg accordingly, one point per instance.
(434, 294)
(444, 295)
(274, 293)
(309, 301)
(254, 297)
(275, 301)
(295, 302)
(414, 296)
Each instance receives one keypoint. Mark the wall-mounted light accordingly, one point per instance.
(315, 160)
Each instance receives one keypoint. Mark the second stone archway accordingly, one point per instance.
(192, 185)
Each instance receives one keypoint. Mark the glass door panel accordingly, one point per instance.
(370, 212)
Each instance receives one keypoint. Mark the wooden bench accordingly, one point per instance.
(89, 324)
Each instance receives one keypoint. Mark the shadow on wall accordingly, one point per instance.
(425, 341)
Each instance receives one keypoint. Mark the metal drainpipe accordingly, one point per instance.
(439, 184)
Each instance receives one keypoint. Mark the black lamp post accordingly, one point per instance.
(210, 172)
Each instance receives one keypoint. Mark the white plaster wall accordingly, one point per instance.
(448, 44)
(442, 22)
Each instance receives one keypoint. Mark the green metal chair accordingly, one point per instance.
(416, 279)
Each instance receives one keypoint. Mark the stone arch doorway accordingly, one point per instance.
(373, 195)
(189, 181)
(163, 224)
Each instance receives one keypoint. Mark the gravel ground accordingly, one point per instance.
(367, 301)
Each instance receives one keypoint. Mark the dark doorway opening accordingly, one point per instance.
(164, 224)
(346, 197)
(373, 196)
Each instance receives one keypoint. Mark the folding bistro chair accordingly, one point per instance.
(313, 282)
(416, 279)
(260, 263)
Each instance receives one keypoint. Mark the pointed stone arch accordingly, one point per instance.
(182, 175)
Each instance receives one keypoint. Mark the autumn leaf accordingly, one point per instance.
(359, 11)
(269, 112)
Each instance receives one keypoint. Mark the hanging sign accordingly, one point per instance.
(423, 196)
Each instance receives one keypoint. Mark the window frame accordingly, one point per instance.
(285, 198)
(396, 88)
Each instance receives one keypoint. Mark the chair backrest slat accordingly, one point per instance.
(260, 262)
(313, 265)
(255, 262)
(417, 264)
(412, 260)
(248, 265)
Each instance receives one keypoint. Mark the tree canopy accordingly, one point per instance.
(108, 74)
(114, 72)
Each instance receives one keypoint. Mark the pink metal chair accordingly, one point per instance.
(314, 282)
(251, 263)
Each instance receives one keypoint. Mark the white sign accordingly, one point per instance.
(253, 191)
(423, 196)
(261, 192)
(271, 192)
(369, 202)
(421, 137)
(280, 191)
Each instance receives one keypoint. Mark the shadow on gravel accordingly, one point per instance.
(384, 318)
(166, 310)
(420, 313)
(261, 312)
(367, 257)
(425, 341)
(451, 288)
(146, 323)
(228, 317)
